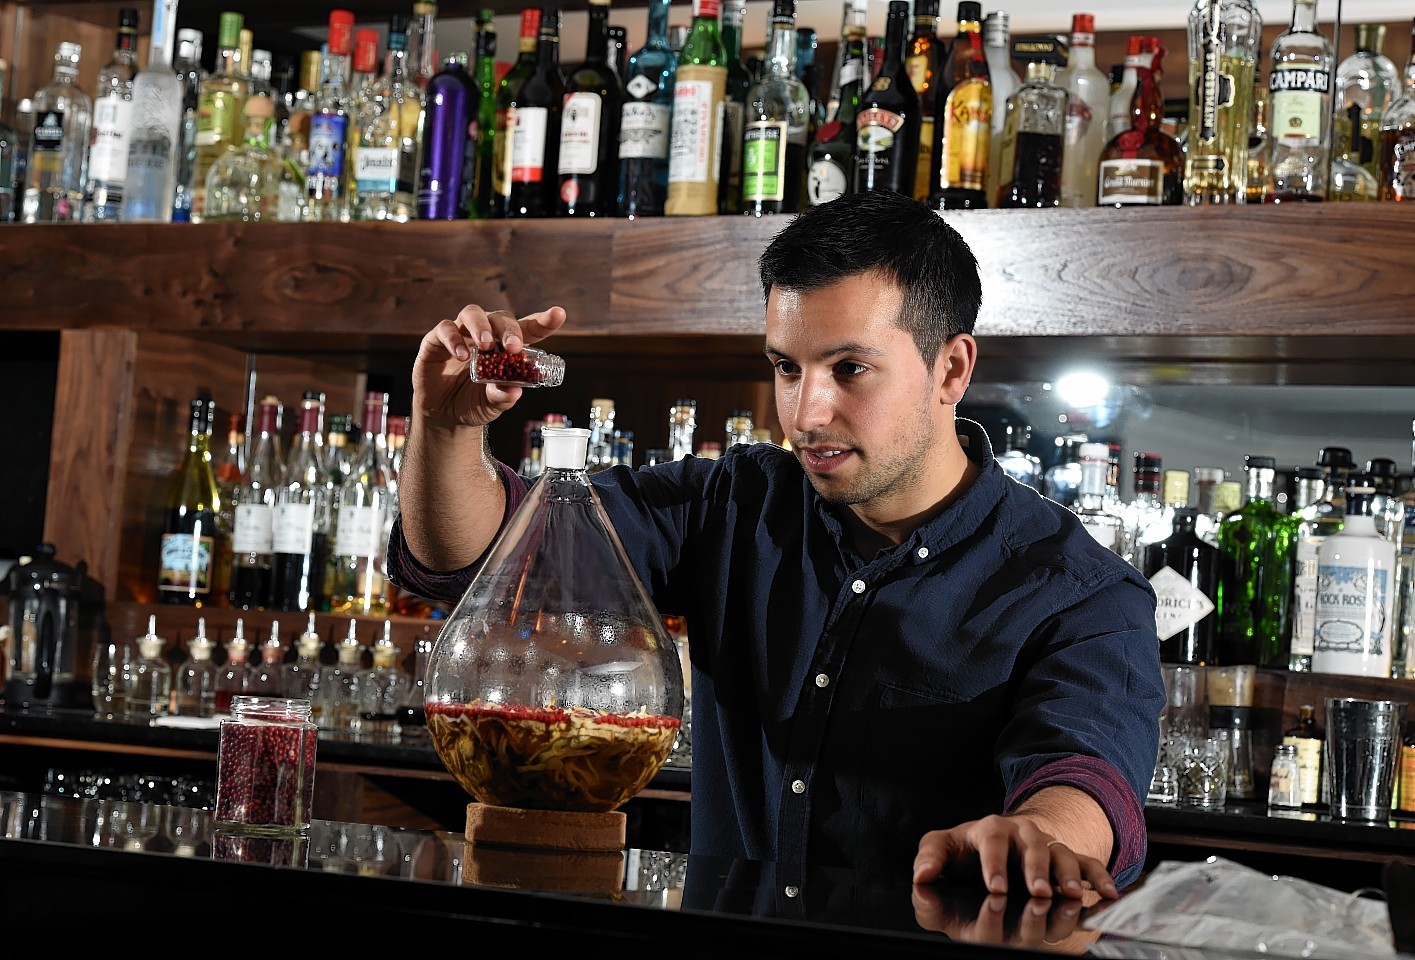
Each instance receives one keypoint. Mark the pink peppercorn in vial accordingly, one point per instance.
(265, 766)
(528, 368)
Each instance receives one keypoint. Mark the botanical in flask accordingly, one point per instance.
(155, 139)
(194, 681)
(1224, 36)
(1356, 571)
(187, 555)
(696, 141)
(1300, 105)
(887, 125)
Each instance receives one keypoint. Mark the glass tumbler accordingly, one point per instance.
(1204, 776)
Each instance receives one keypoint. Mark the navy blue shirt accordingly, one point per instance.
(845, 705)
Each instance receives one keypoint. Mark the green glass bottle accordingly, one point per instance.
(734, 109)
(189, 536)
(694, 147)
(485, 79)
(1259, 547)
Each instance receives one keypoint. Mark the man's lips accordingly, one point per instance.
(823, 459)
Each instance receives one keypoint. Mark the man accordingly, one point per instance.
(901, 658)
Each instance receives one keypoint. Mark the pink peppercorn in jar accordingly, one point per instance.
(528, 368)
(265, 765)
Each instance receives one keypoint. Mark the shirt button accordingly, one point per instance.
(822, 680)
(798, 786)
(792, 892)
(923, 553)
(858, 586)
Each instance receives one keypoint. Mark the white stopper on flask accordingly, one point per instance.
(564, 448)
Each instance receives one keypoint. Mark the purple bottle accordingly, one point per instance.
(451, 106)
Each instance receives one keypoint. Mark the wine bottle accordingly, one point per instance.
(508, 93)
(188, 546)
(776, 124)
(645, 122)
(484, 82)
(300, 532)
(364, 517)
(734, 108)
(694, 149)
(252, 545)
(533, 129)
(887, 126)
(589, 126)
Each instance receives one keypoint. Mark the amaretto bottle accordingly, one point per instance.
(1355, 592)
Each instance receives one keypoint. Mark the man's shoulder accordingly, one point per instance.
(1041, 533)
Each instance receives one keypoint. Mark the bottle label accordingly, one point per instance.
(579, 133)
(1403, 167)
(1352, 620)
(1139, 182)
(218, 118)
(924, 161)
(1298, 102)
(643, 130)
(826, 182)
(151, 153)
(293, 526)
(108, 156)
(253, 531)
(501, 152)
(360, 532)
(325, 173)
(697, 126)
(48, 132)
(1309, 766)
(764, 161)
(185, 564)
(1179, 604)
(1214, 89)
(874, 134)
(967, 135)
(1407, 779)
(376, 169)
(527, 147)
(1304, 596)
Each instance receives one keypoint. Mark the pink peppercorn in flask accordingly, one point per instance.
(527, 368)
(265, 766)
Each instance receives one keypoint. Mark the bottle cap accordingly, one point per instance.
(1309, 473)
(1339, 457)
(1256, 462)
(365, 50)
(565, 448)
(970, 11)
(1382, 467)
(341, 32)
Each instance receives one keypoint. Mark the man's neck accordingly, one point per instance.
(870, 534)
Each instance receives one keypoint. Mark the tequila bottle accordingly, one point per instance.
(1224, 36)
(326, 174)
(243, 184)
(155, 141)
(112, 126)
(1356, 600)
(364, 512)
(220, 105)
(385, 164)
(194, 681)
(1034, 134)
(54, 182)
(1105, 526)
(1259, 547)
(1367, 83)
(1299, 105)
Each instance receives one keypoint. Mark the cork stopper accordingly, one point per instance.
(349, 648)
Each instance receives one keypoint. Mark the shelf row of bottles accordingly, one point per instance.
(695, 130)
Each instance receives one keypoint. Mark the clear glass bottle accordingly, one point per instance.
(1002, 75)
(326, 173)
(110, 659)
(338, 686)
(147, 678)
(1350, 182)
(1014, 453)
(556, 653)
(54, 175)
(221, 103)
(155, 137)
(112, 126)
(187, 66)
(1034, 133)
(385, 164)
(300, 677)
(232, 676)
(1147, 517)
(739, 428)
(830, 159)
(381, 689)
(364, 510)
(1087, 107)
(1224, 39)
(1206, 481)
(1300, 106)
(410, 722)
(303, 517)
(1310, 492)
(243, 184)
(1105, 526)
(1397, 156)
(695, 142)
(1367, 83)
(601, 455)
(646, 121)
(1258, 543)
(1356, 569)
(266, 677)
(1062, 480)
(252, 539)
(194, 681)
(682, 421)
(775, 123)
(265, 761)
(1284, 780)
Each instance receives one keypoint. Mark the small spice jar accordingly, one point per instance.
(265, 765)
(528, 368)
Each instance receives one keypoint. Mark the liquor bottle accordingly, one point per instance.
(446, 142)
(155, 133)
(682, 421)
(265, 678)
(887, 124)
(1062, 480)
(339, 702)
(1367, 84)
(364, 516)
(1087, 107)
(147, 678)
(830, 159)
(1300, 104)
(531, 465)
(600, 449)
(923, 61)
(1206, 481)
(381, 688)
(339, 448)
(1122, 92)
(300, 677)
(386, 161)
(739, 429)
(1310, 492)
(1338, 464)
(301, 520)
(740, 78)
(299, 106)
(411, 720)
(808, 71)
(9, 145)
(1259, 544)
(532, 149)
(618, 49)
(646, 121)
(1385, 506)
(1356, 597)
(776, 124)
(1105, 526)
(327, 180)
(112, 126)
(695, 143)
(589, 127)
(397, 442)
(484, 84)
(187, 66)
(1184, 572)
(233, 676)
(364, 63)
(624, 448)
(1223, 54)
(1350, 182)
(188, 548)
(1002, 76)
(508, 93)
(243, 184)
(1408, 74)
(965, 108)
(220, 105)
(1143, 165)
(1034, 133)
(1307, 739)
(1396, 174)
(252, 543)
(54, 181)
(194, 680)
(422, 43)
(1148, 518)
(1014, 456)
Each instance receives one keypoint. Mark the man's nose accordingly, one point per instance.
(815, 402)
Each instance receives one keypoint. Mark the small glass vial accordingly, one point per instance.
(682, 421)
(528, 368)
(300, 677)
(739, 428)
(265, 679)
(232, 676)
(265, 765)
(1284, 783)
(194, 683)
(147, 680)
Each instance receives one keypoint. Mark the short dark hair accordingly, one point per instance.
(885, 231)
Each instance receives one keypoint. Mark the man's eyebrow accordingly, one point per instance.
(857, 349)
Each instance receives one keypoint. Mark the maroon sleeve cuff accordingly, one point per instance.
(1104, 784)
(408, 572)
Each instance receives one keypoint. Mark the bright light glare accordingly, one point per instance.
(1082, 389)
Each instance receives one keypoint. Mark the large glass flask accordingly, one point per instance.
(554, 685)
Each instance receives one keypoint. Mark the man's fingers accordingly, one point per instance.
(994, 847)
(1037, 856)
(1065, 869)
(538, 326)
(1094, 872)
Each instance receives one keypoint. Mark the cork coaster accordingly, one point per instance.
(526, 868)
(546, 829)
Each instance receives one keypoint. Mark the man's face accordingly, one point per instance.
(854, 396)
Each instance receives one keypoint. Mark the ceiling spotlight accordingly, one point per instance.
(1082, 389)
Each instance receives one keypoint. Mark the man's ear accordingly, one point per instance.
(953, 370)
